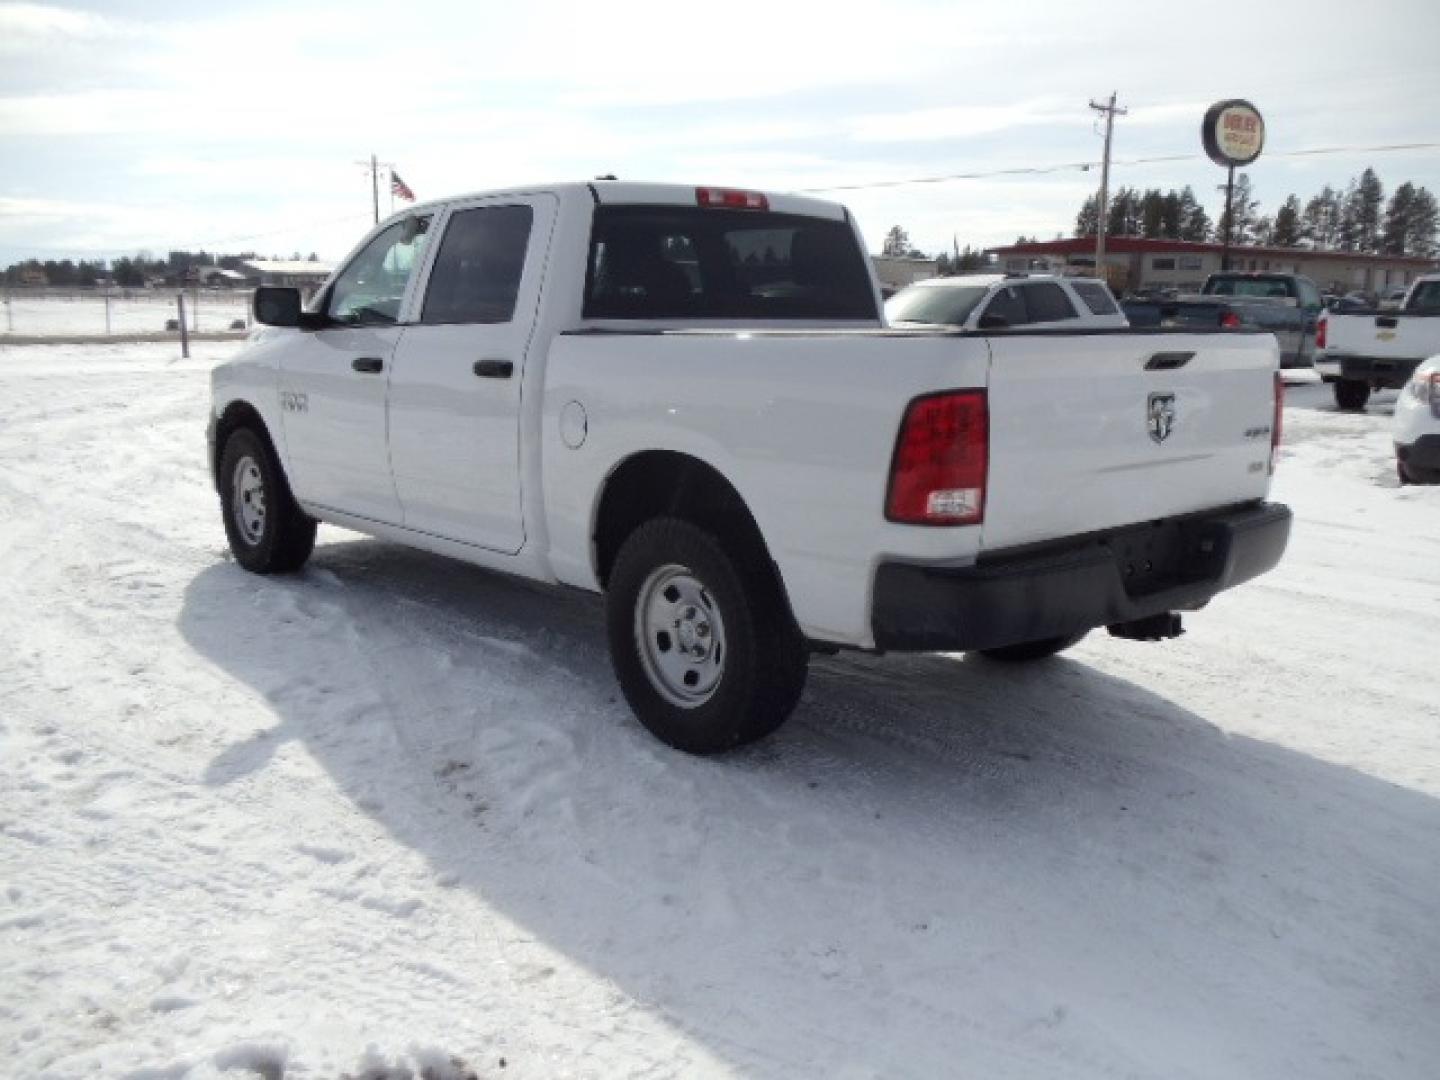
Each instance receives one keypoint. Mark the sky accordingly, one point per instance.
(159, 124)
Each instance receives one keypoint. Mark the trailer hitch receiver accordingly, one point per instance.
(1151, 628)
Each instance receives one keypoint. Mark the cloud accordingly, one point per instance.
(963, 121)
(24, 25)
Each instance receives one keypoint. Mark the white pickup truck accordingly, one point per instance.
(686, 399)
(1379, 350)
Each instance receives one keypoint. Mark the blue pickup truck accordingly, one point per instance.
(1287, 305)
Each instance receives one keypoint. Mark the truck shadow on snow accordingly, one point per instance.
(936, 862)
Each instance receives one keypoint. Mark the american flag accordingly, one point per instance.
(399, 187)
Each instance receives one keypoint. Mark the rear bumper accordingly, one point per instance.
(1383, 373)
(1172, 565)
(1423, 453)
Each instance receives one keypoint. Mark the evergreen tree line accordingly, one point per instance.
(129, 271)
(1355, 219)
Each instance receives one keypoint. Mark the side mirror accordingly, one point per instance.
(994, 322)
(277, 305)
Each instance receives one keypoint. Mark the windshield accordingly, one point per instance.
(942, 305)
(1426, 297)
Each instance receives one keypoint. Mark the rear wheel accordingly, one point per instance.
(1351, 395)
(268, 532)
(1033, 650)
(1409, 474)
(702, 643)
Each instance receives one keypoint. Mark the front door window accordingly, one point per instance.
(369, 291)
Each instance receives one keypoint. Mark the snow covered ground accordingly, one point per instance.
(391, 812)
(56, 316)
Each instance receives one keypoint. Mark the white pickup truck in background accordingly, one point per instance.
(1002, 301)
(686, 399)
(1379, 350)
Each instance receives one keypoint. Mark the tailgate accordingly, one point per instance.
(1391, 336)
(1088, 432)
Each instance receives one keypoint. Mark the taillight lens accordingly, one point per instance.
(1322, 330)
(1278, 424)
(942, 459)
(731, 199)
(1230, 321)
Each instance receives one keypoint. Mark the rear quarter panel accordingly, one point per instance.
(802, 424)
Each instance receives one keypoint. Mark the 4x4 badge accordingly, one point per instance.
(1160, 415)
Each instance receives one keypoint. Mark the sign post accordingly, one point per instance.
(1233, 133)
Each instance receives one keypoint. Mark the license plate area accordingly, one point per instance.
(1161, 555)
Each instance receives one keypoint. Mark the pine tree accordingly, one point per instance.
(1170, 217)
(1286, 232)
(1194, 222)
(1124, 216)
(1360, 221)
(1424, 224)
(1152, 214)
(897, 241)
(1320, 222)
(1087, 222)
(1396, 229)
(1244, 212)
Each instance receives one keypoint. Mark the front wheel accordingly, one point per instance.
(1351, 395)
(1032, 650)
(268, 532)
(702, 642)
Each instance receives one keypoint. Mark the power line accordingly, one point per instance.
(1086, 166)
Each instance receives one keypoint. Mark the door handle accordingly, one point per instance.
(1168, 361)
(494, 369)
(368, 364)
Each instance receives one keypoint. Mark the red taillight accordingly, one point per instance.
(731, 199)
(1230, 321)
(941, 461)
(1321, 329)
(1279, 422)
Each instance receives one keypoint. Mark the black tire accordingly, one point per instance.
(1351, 395)
(1033, 650)
(762, 668)
(1409, 474)
(280, 538)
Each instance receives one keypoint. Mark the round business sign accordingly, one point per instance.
(1233, 132)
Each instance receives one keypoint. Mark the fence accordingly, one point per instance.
(47, 311)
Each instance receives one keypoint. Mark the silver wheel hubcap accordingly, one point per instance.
(680, 635)
(248, 499)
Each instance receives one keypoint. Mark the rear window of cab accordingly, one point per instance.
(679, 262)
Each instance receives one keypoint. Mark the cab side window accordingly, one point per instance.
(369, 291)
(477, 270)
(1009, 305)
(1047, 303)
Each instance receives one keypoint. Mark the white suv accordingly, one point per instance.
(1004, 301)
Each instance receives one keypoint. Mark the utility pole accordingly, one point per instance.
(373, 167)
(1111, 111)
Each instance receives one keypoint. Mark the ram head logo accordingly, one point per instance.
(1160, 416)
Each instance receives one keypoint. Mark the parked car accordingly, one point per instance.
(1417, 426)
(686, 399)
(1372, 349)
(1000, 301)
